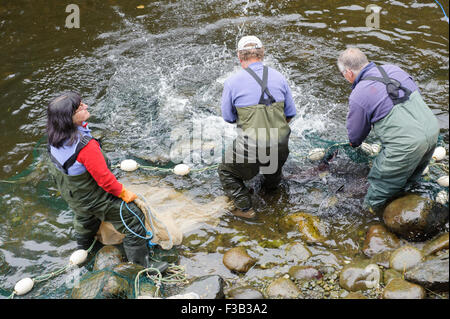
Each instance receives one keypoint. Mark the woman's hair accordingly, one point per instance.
(60, 126)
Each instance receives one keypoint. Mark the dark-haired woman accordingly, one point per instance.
(83, 177)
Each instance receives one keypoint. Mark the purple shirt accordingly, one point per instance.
(369, 101)
(241, 90)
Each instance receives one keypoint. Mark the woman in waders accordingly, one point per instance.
(82, 174)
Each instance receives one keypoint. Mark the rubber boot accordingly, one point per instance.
(140, 255)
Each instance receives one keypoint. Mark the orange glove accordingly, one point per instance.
(127, 196)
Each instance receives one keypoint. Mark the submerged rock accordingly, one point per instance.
(414, 217)
(107, 257)
(379, 240)
(432, 274)
(282, 288)
(435, 245)
(237, 259)
(207, 287)
(360, 275)
(400, 289)
(304, 273)
(382, 259)
(405, 258)
(246, 292)
(297, 252)
(311, 228)
(104, 285)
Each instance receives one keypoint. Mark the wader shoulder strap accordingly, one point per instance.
(263, 84)
(71, 160)
(392, 86)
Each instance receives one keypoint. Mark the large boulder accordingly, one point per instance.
(103, 284)
(107, 257)
(432, 274)
(414, 217)
(379, 240)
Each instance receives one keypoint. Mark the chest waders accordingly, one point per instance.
(260, 147)
(92, 205)
(409, 135)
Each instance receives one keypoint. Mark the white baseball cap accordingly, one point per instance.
(249, 39)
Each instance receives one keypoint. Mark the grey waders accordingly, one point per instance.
(92, 205)
(261, 146)
(409, 135)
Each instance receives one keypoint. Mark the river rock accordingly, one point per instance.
(398, 288)
(360, 275)
(107, 257)
(414, 217)
(382, 259)
(127, 270)
(282, 288)
(405, 258)
(246, 292)
(432, 274)
(304, 273)
(297, 253)
(435, 245)
(378, 240)
(207, 287)
(104, 285)
(390, 274)
(237, 259)
(311, 228)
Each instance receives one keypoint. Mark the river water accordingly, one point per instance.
(153, 76)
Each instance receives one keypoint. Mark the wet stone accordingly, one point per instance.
(304, 273)
(390, 274)
(297, 252)
(382, 259)
(355, 295)
(311, 228)
(107, 257)
(398, 288)
(282, 288)
(432, 274)
(405, 258)
(238, 260)
(245, 293)
(103, 284)
(207, 287)
(414, 217)
(436, 244)
(379, 240)
(360, 275)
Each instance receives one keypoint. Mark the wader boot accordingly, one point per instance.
(261, 147)
(409, 135)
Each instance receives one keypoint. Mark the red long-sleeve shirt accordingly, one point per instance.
(92, 158)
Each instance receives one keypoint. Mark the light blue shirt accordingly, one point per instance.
(63, 153)
(241, 90)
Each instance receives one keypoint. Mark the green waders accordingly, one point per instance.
(91, 205)
(409, 135)
(261, 147)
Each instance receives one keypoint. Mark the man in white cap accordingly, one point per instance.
(258, 99)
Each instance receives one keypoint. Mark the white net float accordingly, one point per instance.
(316, 154)
(23, 286)
(78, 257)
(181, 169)
(426, 170)
(366, 148)
(443, 181)
(439, 153)
(442, 197)
(129, 165)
